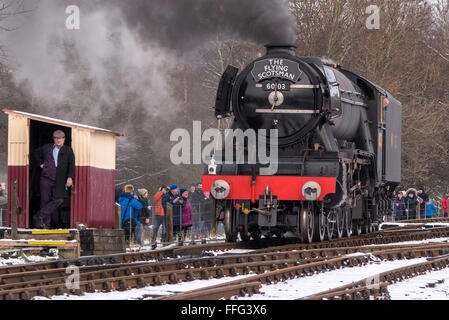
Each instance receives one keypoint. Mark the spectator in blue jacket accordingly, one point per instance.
(430, 208)
(130, 207)
(399, 206)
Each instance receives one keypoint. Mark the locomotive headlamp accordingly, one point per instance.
(220, 189)
(311, 190)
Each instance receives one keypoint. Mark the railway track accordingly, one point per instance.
(365, 289)
(308, 269)
(23, 283)
(380, 237)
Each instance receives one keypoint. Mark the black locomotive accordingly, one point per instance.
(339, 150)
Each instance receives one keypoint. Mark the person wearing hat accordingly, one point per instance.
(187, 220)
(57, 164)
(130, 207)
(158, 215)
(177, 202)
(424, 197)
(399, 207)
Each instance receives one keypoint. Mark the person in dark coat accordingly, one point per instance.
(399, 206)
(57, 162)
(422, 205)
(173, 197)
(411, 202)
(3, 194)
(199, 211)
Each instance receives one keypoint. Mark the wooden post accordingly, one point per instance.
(118, 213)
(14, 209)
(169, 223)
(214, 219)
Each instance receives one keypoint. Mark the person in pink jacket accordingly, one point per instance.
(187, 220)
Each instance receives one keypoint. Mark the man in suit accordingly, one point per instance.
(57, 162)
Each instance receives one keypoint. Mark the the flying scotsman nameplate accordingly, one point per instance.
(276, 68)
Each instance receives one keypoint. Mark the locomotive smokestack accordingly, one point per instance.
(273, 48)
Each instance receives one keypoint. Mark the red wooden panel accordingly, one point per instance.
(21, 174)
(93, 197)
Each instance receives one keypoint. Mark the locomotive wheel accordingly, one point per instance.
(306, 222)
(339, 223)
(321, 226)
(244, 236)
(331, 224)
(347, 229)
(369, 226)
(231, 236)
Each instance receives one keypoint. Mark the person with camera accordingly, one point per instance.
(174, 198)
(130, 207)
(159, 215)
(144, 215)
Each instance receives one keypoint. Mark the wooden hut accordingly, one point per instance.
(91, 199)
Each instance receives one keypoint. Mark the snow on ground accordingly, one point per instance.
(147, 292)
(291, 289)
(231, 251)
(302, 287)
(431, 286)
(413, 242)
(401, 224)
(25, 260)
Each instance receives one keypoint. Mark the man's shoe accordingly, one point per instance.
(37, 221)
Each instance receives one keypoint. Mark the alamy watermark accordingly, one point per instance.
(73, 280)
(373, 21)
(231, 142)
(73, 20)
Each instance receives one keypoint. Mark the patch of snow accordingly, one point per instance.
(27, 260)
(430, 286)
(231, 251)
(413, 242)
(355, 254)
(302, 287)
(147, 292)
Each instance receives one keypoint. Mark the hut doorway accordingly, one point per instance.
(41, 133)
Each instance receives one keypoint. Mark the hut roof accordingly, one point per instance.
(59, 122)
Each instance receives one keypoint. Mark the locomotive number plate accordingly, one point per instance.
(272, 86)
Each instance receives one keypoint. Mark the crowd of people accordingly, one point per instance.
(191, 213)
(414, 204)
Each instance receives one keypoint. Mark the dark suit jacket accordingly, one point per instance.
(65, 169)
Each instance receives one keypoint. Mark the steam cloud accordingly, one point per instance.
(112, 72)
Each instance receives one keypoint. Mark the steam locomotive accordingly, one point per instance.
(338, 150)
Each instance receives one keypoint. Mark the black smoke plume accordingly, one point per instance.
(189, 24)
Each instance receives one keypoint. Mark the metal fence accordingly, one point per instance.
(3, 216)
(416, 213)
(203, 218)
(204, 222)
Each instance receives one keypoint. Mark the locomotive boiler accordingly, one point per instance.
(338, 150)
